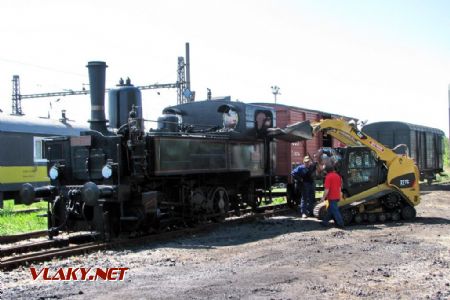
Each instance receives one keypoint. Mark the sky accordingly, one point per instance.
(374, 60)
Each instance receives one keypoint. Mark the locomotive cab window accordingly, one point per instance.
(263, 120)
(38, 152)
(230, 119)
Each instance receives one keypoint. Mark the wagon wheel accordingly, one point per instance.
(250, 198)
(220, 202)
(292, 198)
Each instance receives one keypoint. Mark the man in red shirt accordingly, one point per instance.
(332, 184)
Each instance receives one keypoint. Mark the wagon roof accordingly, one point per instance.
(290, 107)
(26, 124)
(402, 125)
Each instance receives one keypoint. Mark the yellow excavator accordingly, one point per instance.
(377, 183)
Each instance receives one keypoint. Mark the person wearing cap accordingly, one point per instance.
(305, 174)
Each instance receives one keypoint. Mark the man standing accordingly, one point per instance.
(305, 175)
(332, 184)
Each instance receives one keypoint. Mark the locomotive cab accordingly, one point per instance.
(240, 120)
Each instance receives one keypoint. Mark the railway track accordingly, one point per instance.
(8, 239)
(46, 244)
(46, 250)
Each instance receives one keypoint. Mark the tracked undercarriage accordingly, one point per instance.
(385, 209)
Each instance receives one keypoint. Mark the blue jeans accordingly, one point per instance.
(307, 201)
(333, 211)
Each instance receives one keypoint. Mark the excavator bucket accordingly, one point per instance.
(292, 133)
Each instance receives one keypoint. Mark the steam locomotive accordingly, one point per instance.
(203, 159)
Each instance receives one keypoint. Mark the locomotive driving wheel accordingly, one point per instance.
(220, 201)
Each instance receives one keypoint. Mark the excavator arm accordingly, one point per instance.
(351, 136)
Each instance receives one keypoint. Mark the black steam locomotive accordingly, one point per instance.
(203, 159)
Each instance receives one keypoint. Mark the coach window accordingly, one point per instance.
(38, 153)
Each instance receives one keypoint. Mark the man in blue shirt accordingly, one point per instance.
(305, 174)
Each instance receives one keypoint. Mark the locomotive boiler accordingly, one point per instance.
(203, 159)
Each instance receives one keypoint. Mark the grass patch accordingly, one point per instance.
(11, 223)
(442, 177)
(278, 200)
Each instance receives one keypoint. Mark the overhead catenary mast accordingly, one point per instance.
(184, 94)
(16, 97)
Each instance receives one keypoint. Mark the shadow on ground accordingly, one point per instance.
(232, 235)
(436, 187)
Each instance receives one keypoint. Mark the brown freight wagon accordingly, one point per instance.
(290, 155)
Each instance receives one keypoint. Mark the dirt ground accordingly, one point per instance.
(278, 258)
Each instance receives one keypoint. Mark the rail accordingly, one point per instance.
(66, 249)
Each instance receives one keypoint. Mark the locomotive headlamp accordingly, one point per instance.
(107, 171)
(53, 173)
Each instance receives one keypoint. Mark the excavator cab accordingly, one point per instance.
(360, 170)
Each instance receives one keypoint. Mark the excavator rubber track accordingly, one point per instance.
(351, 215)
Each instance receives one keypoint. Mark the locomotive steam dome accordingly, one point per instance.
(121, 101)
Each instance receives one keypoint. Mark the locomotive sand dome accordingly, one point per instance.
(121, 101)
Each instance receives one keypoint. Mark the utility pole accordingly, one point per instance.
(275, 92)
(16, 97)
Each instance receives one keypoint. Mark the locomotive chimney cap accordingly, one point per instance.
(96, 63)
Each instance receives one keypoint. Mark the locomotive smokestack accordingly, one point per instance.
(97, 74)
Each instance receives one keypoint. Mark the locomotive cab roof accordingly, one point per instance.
(241, 120)
(236, 117)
